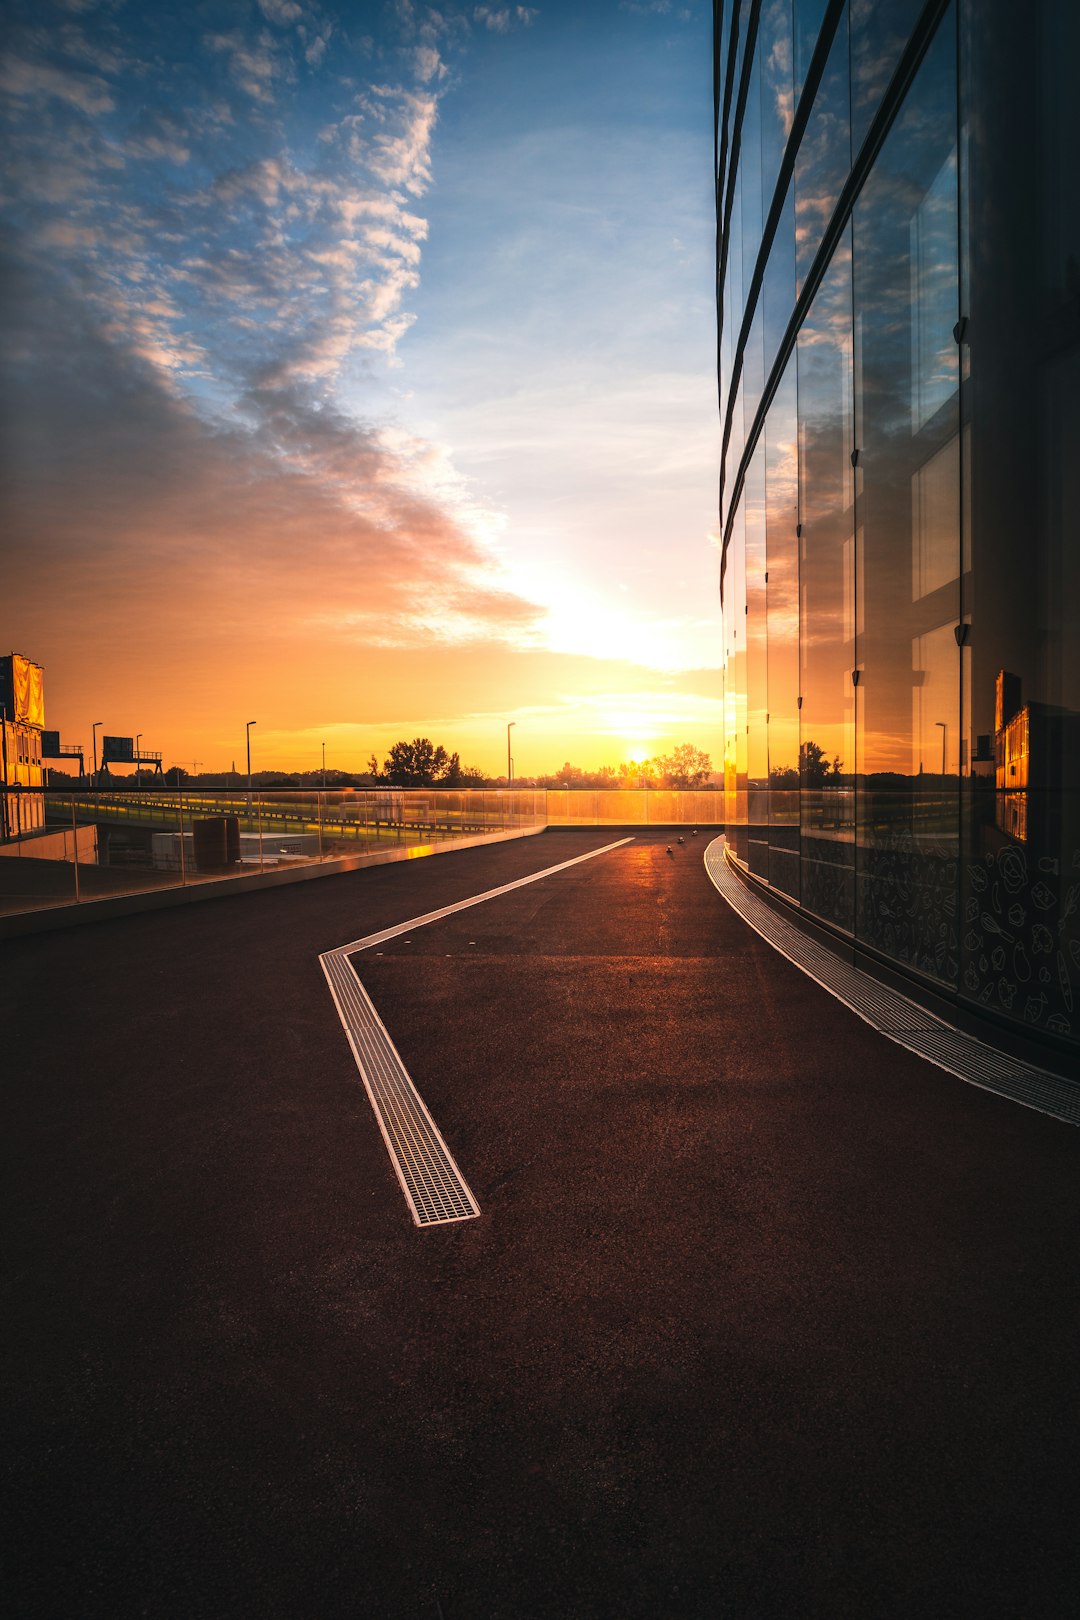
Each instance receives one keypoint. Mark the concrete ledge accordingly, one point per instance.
(121, 905)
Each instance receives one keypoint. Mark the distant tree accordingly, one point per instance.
(176, 776)
(373, 768)
(457, 775)
(783, 776)
(685, 767)
(421, 763)
(573, 776)
(814, 768)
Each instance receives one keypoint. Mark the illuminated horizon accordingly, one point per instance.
(344, 393)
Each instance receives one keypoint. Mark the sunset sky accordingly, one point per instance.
(359, 377)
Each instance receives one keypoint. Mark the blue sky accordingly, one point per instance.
(359, 367)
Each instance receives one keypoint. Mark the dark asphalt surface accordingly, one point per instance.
(763, 1316)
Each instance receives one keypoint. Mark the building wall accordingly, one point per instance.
(22, 803)
(899, 313)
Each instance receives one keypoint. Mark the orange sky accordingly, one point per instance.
(302, 429)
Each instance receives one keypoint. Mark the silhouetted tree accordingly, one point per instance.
(685, 767)
(415, 764)
(814, 768)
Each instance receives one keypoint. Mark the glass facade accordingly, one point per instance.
(899, 301)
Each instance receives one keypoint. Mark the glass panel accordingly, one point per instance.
(908, 535)
(879, 34)
(750, 170)
(777, 99)
(735, 628)
(1058, 167)
(734, 303)
(826, 588)
(757, 695)
(725, 47)
(809, 15)
(735, 446)
(779, 285)
(782, 595)
(824, 157)
(753, 383)
(1020, 874)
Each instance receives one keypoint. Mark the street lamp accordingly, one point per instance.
(324, 767)
(509, 761)
(94, 730)
(944, 733)
(138, 767)
(248, 734)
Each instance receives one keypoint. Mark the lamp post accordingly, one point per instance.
(248, 734)
(324, 767)
(944, 733)
(94, 731)
(138, 767)
(509, 762)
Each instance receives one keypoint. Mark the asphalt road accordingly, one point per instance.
(762, 1317)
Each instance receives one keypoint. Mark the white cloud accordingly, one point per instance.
(253, 65)
(282, 12)
(37, 80)
(501, 19)
(399, 128)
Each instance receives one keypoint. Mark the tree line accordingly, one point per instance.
(420, 763)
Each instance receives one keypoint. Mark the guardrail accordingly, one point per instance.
(97, 844)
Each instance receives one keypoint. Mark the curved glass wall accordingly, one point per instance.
(900, 393)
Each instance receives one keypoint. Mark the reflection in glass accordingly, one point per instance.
(908, 534)
(827, 561)
(750, 170)
(824, 156)
(934, 488)
(878, 36)
(782, 594)
(934, 666)
(777, 98)
(735, 810)
(753, 377)
(809, 15)
(779, 284)
(757, 761)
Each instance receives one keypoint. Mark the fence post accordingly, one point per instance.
(75, 847)
(183, 865)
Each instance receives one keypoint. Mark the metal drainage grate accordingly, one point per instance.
(892, 1014)
(434, 1187)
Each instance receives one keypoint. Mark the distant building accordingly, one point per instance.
(898, 232)
(22, 721)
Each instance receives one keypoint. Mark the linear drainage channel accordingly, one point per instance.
(892, 1014)
(435, 1190)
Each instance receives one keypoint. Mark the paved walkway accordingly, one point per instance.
(762, 1314)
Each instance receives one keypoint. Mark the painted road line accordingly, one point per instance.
(435, 1190)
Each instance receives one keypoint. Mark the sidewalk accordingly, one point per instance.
(762, 1315)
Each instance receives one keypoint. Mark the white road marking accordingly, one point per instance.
(434, 1188)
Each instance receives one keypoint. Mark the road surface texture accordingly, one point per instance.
(762, 1316)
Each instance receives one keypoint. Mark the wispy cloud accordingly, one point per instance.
(253, 63)
(277, 267)
(30, 81)
(501, 19)
(299, 519)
